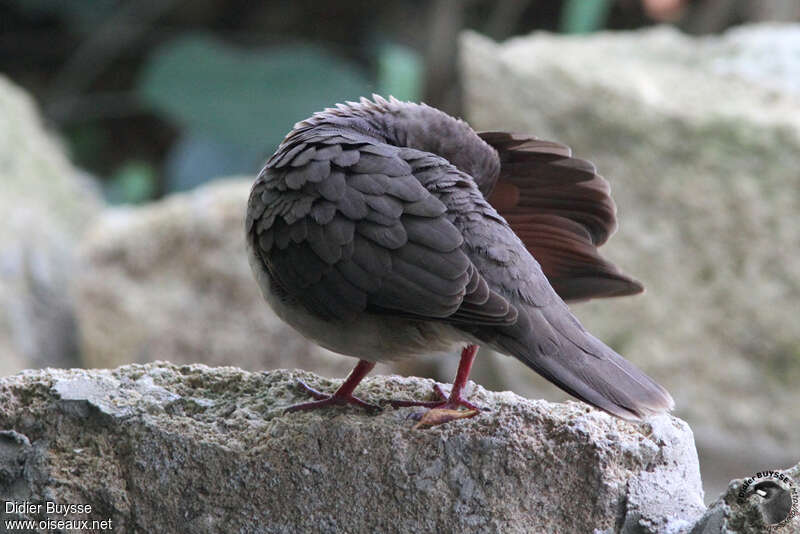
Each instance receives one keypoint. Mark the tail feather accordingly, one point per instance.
(554, 344)
(562, 211)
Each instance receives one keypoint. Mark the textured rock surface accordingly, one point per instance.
(170, 281)
(165, 448)
(45, 204)
(703, 165)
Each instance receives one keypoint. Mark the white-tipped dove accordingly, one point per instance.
(386, 229)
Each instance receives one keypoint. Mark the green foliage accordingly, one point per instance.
(584, 16)
(133, 182)
(399, 72)
(244, 97)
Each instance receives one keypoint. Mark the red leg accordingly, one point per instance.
(462, 375)
(343, 395)
(445, 408)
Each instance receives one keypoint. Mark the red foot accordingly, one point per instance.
(441, 411)
(447, 407)
(328, 400)
(451, 402)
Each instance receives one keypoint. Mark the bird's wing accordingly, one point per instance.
(546, 336)
(344, 226)
(562, 210)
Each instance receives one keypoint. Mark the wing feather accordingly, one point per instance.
(349, 229)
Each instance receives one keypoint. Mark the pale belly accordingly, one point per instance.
(371, 337)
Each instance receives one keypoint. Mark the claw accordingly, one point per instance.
(428, 404)
(323, 400)
(441, 411)
(317, 394)
(438, 416)
(445, 401)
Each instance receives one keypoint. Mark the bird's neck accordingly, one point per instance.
(430, 130)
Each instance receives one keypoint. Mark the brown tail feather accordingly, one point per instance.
(562, 210)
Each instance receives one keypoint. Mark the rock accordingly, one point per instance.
(170, 281)
(166, 448)
(762, 54)
(46, 204)
(703, 165)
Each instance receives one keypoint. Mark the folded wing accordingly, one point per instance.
(344, 226)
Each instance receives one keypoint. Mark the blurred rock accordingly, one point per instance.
(170, 281)
(763, 54)
(129, 442)
(704, 166)
(46, 203)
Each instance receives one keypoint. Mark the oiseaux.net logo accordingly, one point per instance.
(775, 495)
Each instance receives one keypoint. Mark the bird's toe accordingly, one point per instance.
(438, 416)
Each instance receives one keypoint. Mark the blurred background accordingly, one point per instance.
(155, 97)
(115, 113)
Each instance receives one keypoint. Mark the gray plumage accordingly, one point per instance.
(371, 231)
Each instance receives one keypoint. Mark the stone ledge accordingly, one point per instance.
(165, 448)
